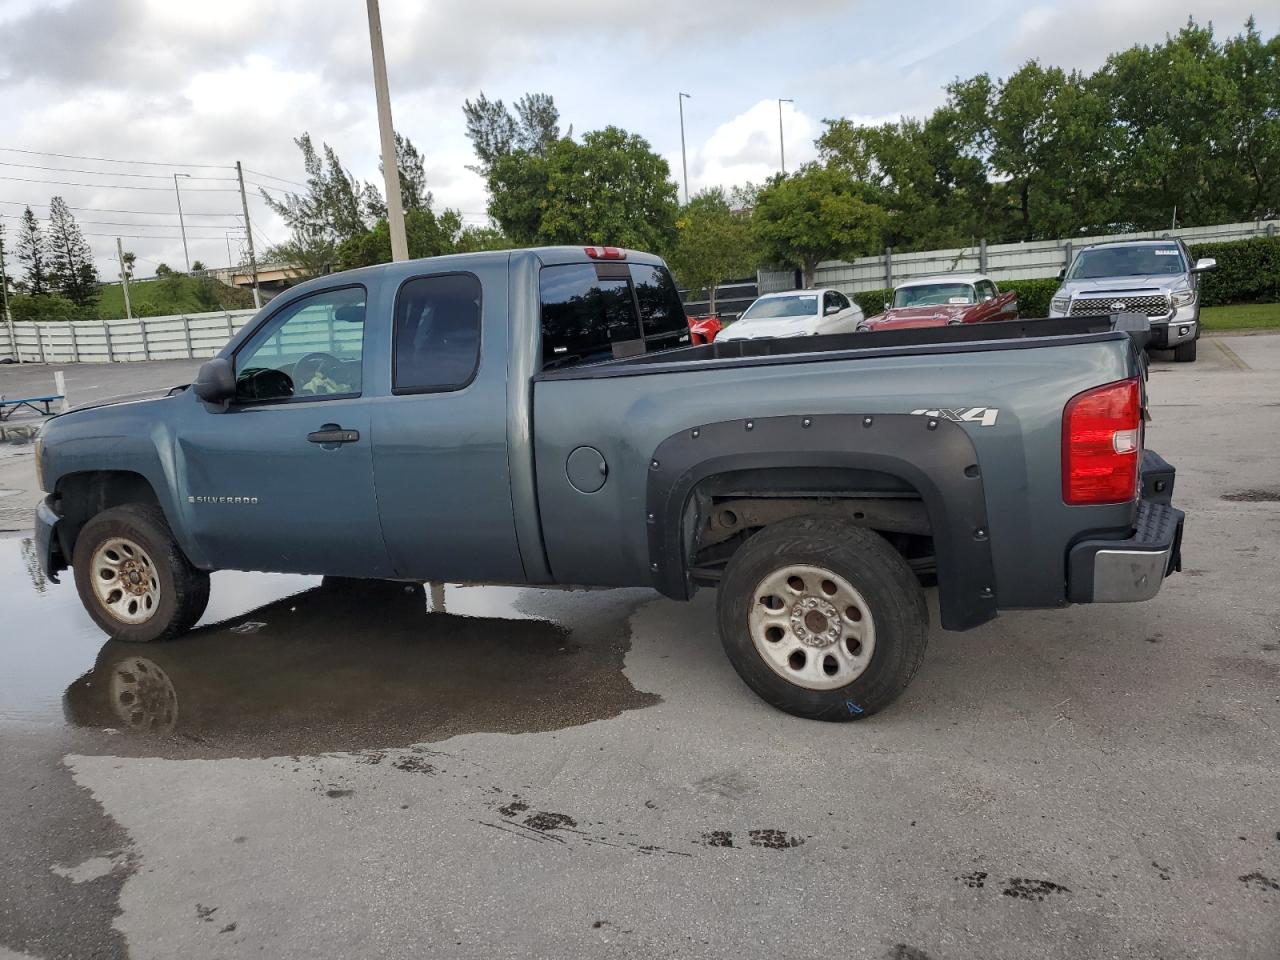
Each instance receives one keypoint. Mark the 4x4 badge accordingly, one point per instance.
(983, 416)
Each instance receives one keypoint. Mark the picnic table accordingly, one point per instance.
(9, 407)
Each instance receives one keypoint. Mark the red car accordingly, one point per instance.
(945, 300)
(703, 329)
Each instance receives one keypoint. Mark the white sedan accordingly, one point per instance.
(796, 313)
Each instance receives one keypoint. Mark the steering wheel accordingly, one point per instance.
(312, 363)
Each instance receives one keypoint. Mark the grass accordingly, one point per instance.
(178, 294)
(1241, 316)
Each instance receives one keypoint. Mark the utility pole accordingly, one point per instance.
(248, 232)
(390, 170)
(181, 223)
(4, 296)
(782, 147)
(683, 160)
(124, 279)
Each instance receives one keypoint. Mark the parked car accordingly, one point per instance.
(438, 420)
(704, 329)
(1155, 277)
(949, 299)
(796, 313)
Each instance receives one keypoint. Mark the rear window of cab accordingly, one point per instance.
(604, 311)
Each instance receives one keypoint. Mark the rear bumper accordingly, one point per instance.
(1132, 569)
(48, 547)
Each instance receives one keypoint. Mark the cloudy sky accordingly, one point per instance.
(191, 86)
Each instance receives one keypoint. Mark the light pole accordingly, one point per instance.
(181, 224)
(390, 170)
(684, 162)
(782, 147)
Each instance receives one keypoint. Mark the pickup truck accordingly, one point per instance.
(533, 417)
(1157, 278)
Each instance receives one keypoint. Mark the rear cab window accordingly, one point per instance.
(603, 311)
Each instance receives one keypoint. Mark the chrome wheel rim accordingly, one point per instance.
(125, 580)
(812, 627)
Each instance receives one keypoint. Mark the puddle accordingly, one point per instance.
(283, 665)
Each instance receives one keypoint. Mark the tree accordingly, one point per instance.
(335, 207)
(72, 272)
(428, 235)
(31, 254)
(817, 213)
(130, 260)
(495, 132)
(714, 243)
(164, 270)
(5, 280)
(197, 266)
(610, 189)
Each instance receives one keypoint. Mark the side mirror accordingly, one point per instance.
(216, 381)
(830, 310)
(1062, 274)
(1204, 265)
(886, 306)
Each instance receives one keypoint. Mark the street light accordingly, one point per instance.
(181, 224)
(684, 162)
(782, 147)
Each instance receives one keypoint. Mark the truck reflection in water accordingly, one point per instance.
(365, 665)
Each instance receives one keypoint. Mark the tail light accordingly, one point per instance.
(1101, 444)
(605, 253)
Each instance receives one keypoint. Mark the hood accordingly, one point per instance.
(123, 399)
(1155, 283)
(932, 315)
(776, 328)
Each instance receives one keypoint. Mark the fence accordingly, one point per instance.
(183, 337)
(1007, 261)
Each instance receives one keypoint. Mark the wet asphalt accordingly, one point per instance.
(336, 771)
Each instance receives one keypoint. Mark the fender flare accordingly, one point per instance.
(935, 456)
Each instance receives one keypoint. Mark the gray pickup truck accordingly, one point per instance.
(537, 417)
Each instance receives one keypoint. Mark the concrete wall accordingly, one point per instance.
(1007, 261)
(179, 337)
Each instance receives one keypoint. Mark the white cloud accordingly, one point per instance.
(746, 148)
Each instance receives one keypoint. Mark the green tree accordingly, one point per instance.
(130, 262)
(31, 254)
(72, 272)
(495, 132)
(610, 189)
(44, 308)
(714, 243)
(817, 213)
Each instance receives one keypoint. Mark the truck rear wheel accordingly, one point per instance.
(822, 619)
(132, 578)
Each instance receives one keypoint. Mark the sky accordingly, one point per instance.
(190, 87)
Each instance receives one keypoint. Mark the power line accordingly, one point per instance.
(131, 223)
(272, 176)
(109, 173)
(145, 213)
(143, 163)
(119, 186)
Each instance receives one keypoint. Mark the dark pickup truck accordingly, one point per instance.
(538, 417)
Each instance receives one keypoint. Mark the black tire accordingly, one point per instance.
(183, 591)
(1185, 352)
(876, 570)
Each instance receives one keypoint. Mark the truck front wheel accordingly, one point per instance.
(822, 619)
(132, 578)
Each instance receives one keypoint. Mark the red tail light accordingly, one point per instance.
(1101, 444)
(605, 253)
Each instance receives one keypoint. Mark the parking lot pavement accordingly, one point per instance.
(543, 774)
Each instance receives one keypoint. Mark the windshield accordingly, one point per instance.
(1127, 262)
(771, 308)
(933, 293)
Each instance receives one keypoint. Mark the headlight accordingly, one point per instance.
(1185, 298)
(1060, 304)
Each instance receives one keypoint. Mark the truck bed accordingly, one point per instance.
(964, 338)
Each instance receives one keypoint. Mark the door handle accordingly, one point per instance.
(331, 433)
